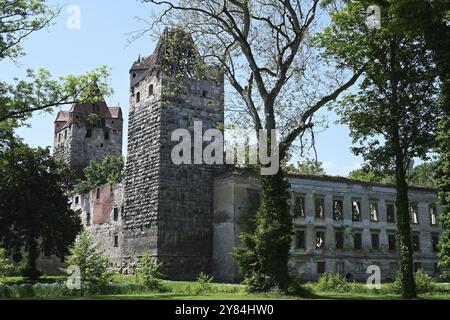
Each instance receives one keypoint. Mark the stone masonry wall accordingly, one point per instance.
(169, 207)
(186, 198)
(142, 192)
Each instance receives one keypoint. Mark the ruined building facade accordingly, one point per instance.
(187, 215)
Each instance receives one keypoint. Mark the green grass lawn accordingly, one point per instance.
(188, 290)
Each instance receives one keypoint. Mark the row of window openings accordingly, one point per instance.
(88, 135)
(360, 267)
(60, 136)
(357, 241)
(150, 93)
(106, 134)
(115, 215)
(299, 210)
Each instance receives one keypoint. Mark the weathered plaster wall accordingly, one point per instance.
(304, 261)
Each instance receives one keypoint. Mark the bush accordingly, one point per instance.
(5, 266)
(58, 290)
(148, 272)
(204, 283)
(332, 282)
(424, 283)
(92, 263)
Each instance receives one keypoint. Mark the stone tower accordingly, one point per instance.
(168, 208)
(78, 140)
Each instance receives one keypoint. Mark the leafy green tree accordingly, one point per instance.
(98, 173)
(34, 210)
(394, 114)
(5, 265)
(93, 264)
(263, 263)
(148, 271)
(423, 175)
(18, 100)
(430, 19)
(366, 175)
(308, 167)
(443, 173)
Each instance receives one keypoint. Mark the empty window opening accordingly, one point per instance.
(299, 207)
(375, 241)
(373, 209)
(77, 200)
(254, 200)
(436, 268)
(88, 218)
(106, 135)
(390, 212)
(88, 133)
(320, 239)
(392, 242)
(98, 194)
(205, 94)
(300, 235)
(359, 267)
(415, 241)
(340, 268)
(434, 242)
(319, 208)
(116, 214)
(417, 266)
(356, 211)
(116, 240)
(321, 267)
(357, 241)
(138, 96)
(339, 237)
(338, 210)
(433, 215)
(414, 213)
(150, 90)
(65, 134)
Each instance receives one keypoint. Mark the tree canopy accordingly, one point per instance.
(35, 214)
(98, 173)
(394, 114)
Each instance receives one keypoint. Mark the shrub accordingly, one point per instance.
(204, 283)
(332, 282)
(5, 266)
(5, 291)
(92, 263)
(148, 272)
(424, 283)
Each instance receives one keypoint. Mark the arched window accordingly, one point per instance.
(150, 90)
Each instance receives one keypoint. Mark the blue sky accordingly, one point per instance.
(102, 40)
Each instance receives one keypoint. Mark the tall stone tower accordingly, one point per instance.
(78, 139)
(168, 208)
